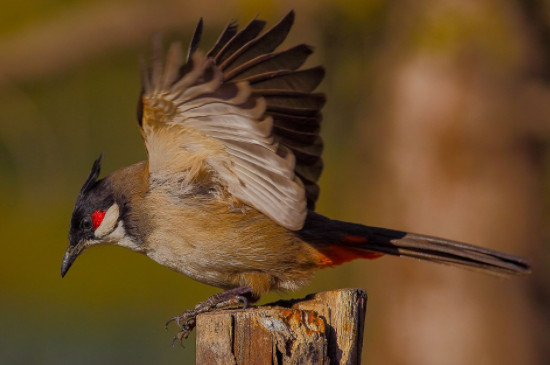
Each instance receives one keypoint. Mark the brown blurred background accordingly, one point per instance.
(437, 122)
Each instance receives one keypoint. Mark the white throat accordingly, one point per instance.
(119, 237)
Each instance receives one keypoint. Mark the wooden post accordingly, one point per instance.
(322, 328)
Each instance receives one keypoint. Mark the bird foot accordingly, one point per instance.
(238, 297)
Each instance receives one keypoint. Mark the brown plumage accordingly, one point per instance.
(226, 196)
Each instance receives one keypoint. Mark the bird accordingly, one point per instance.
(227, 194)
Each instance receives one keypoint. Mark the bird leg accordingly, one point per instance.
(237, 297)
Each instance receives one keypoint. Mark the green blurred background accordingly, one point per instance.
(437, 121)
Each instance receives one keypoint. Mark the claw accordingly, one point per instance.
(188, 319)
(242, 299)
(183, 334)
(170, 321)
(174, 340)
(178, 337)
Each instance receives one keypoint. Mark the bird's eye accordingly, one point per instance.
(86, 223)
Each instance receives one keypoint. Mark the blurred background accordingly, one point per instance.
(437, 122)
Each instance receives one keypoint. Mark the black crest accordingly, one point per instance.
(94, 195)
(92, 177)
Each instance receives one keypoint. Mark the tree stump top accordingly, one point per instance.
(322, 328)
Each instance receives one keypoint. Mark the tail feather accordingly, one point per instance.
(363, 241)
(446, 251)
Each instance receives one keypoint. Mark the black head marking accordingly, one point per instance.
(92, 177)
(94, 195)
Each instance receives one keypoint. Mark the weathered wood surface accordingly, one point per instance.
(323, 328)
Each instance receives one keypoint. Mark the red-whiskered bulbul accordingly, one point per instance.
(227, 193)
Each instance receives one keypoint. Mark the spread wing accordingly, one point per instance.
(242, 116)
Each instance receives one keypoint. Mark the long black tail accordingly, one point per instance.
(333, 236)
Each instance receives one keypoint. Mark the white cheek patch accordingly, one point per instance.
(109, 221)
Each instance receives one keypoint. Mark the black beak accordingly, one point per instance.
(70, 255)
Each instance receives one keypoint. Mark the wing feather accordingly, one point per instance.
(228, 33)
(260, 45)
(171, 71)
(290, 59)
(195, 40)
(254, 110)
(248, 33)
(304, 80)
(243, 115)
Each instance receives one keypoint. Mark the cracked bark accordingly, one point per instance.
(323, 328)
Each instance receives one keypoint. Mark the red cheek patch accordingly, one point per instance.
(97, 218)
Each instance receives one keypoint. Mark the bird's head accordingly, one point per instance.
(95, 217)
